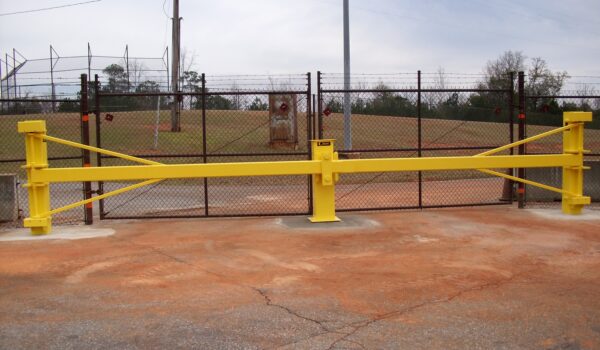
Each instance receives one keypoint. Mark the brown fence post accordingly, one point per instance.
(85, 154)
(419, 137)
(309, 136)
(521, 171)
(98, 141)
(320, 107)
(204, 150)
(508, 188)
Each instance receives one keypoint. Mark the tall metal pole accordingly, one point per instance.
(127, 67)
(15, 72)
(175, 46)
(89, 61)
(7, 79)
(1, 88)
(52, 80)
(347, 102)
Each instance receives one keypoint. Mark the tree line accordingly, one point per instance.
(481, 105)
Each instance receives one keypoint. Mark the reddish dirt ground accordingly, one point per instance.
(491, 278)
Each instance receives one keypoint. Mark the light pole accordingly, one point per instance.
(347, 86)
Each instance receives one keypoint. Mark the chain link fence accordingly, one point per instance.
(272, 118)
(227, 119)
(415, 115)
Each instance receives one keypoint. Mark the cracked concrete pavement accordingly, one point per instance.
(480, 278)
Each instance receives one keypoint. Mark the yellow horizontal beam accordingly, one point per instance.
(180, 171)
(454, 163)
(176, 171)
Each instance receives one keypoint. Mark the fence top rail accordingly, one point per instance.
(561, 96)
(38, 100)
(411, 90)
(209, 93)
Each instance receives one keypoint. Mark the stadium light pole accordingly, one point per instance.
(347, 102)
(175, 46)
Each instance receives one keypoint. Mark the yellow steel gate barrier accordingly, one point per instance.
(324, 168)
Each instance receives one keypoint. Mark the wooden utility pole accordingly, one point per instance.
(176, 57)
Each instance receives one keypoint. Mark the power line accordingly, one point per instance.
(48, 8)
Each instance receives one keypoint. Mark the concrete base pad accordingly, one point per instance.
(58, 232)
(557, 214)
(346, 221)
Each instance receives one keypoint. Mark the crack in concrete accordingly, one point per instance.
(364, 324)
(269, 302)
(357, 326)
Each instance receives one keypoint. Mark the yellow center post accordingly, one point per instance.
(323, 184)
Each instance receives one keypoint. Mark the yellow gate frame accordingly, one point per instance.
(324, 167)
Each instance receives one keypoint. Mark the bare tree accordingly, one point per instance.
(236, 99)
(541, 80)
(439, 80)
(497, 72)
(137, 71)
(188, 60)
(280, 84)
(585, 103)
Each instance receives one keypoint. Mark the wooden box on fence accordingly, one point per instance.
(283, 116)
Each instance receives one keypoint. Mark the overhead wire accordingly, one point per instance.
(48, 8)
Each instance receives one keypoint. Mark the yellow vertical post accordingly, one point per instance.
(572, 177)
(36, 155)
(323, 185)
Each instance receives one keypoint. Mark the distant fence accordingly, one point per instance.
(57, 76)
(240, 118)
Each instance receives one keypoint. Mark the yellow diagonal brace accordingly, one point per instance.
(518, 179)
(102, 196)
(524, 141)
(97, 150)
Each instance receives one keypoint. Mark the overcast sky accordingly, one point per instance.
(291, 36)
